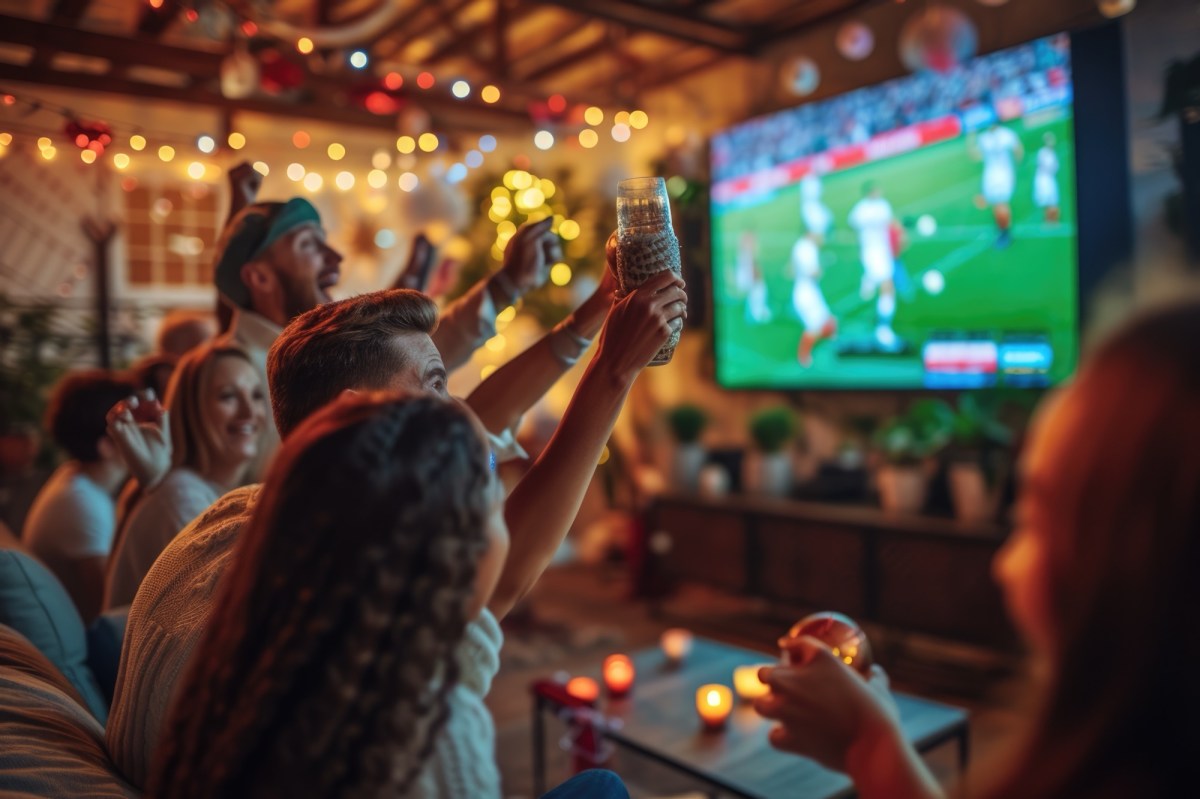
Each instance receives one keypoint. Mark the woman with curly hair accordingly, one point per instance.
(351, 647)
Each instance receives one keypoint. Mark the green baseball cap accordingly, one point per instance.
(249, 234)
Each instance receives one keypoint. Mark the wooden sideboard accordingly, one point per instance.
(910, 573)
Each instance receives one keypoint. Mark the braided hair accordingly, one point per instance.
(326, 665)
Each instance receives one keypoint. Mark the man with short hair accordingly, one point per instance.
(383, 342)
(71, 524)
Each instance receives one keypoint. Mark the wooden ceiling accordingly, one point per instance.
(606, 52)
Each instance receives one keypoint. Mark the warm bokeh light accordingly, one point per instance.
(425, 80)
(569, 230)
(406, 144)
(543, 140)
(344, 181)
(336, 151)
(304, 45)
(747, 684)
(48, 153)
(5, 139)
(676, 643)
(487, 371)
(313, 181)
(136, 142)
(489, 94)
(594, 115)
(381, 159)
(560, 274)
(261, 168)
(620, 133)
(496, 343)
(393, 81)
(166, 152)
(588, 138)
(358, 59)
(195, 170)
(618, 674)
(121, 161)
(44, 142)
(206, 144)
(301, 139)
(583, 688)
(407, 181)
(621, 118)
(87, 156)
(428, 142)
(296, 171)
(547, 186)
(236, 141)
(714, 703)
(557, 103)
(460, 89)
(638, 120)
(377, 178)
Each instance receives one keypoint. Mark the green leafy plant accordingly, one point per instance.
(922, 431)
(773, 428)
(687, 422)
(977, 424)
(33, 355)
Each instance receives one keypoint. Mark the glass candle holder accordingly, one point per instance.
(841, 634)
(676, 644)
(618, 675)
(714, 703)
(747, 684)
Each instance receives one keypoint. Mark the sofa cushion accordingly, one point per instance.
(34, 603)
(52, 746)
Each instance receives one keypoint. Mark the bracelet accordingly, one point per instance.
(568, 327)
(504, 283)
(566, 344)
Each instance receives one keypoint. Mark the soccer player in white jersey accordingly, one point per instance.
(1045, 183)
(1000, 150)
(807, 297)
(872, 218)
(814, 213)
(750, 280)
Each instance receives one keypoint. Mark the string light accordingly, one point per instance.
(487, 142)
(44, 142)
(296, 171)
(460, 89)
(358, 59)
(496, 343)
(261, 168)
(87, 156)
(301, 139)
(621, 118)
(639, 120)
(407, 182)
(48, 153)
(236, 141)
(304, 45)
(313, 182)
(588, 138)
(249, 28)
(381, 159)
(336, 151)
(473, 159)
(166, 153)
(560, 274)
(594, 115)
(489, 94)
(406, 144)
(344, 181)
(543, 140)
(393, 81)
(377, 178)
(136, 142)
(428, 142)
(206, 144)
(456, 173)
(121, 161)
(557, 103)
(620, 132)
(569, 230)
(425, 80)
(195, 170)
(385, 239)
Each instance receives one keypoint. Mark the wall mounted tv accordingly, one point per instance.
(917, 234)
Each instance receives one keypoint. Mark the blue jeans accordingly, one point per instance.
(594, 783)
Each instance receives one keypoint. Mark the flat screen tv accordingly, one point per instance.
(917, 234)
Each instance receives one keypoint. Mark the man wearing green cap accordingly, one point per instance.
(274, 263)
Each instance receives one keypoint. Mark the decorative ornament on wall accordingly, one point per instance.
(1116, 8)
(800, 75)
(239, 74)
(937, 38)
(855, 41)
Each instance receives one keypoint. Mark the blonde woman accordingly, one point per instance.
(216, 410)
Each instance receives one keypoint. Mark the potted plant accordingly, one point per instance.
(907, 445)
(976, 434)
(687, 423)
(768, 468)
(32, 357)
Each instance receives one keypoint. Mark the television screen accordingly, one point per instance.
(920, 233)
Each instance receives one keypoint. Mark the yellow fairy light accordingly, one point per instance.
(499, 192)
(87, 156)
(505, 229)
(381, 160)
(136, 142)
(407, 181)
(5, 139)
(121, 161)
(377, 178)
(588, 138)
(507, 315)
(336, 151)
(569, 230)
(304, 45)
(44, 142)
(620, 133)
(496, 343)
(621, 118)
(166, 153)
(489, 94)
(594, 115)
(236, 141)
(406, 144)
(547, 186)
(639, 120)
(195, 170)
(295, 171)
(522, 179)
(313, 182)
(261, 168)
(344, 181)
(487, 371)
(428, 142)
(48, 153)
(560, 274)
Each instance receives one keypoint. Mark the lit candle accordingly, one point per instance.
(747, 684)
(676, 644)
(618, 674)
(584, 688)
(714, 703)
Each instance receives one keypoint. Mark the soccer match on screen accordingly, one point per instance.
(920, 233)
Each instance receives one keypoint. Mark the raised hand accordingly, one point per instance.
(140, 430)
(640, 324)
(530, 254)
(419, 268)
(244, 183)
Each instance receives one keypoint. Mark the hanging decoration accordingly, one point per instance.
(937, 38)
(239, 73)
(800, 75)
(278, 73)
(855, 41)
(94, 136)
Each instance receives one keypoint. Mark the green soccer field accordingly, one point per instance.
(1030, 287)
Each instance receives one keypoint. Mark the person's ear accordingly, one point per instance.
(259, 277)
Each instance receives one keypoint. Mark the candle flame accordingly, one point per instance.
(713, 698)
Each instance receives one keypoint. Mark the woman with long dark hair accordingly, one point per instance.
(1101, 577)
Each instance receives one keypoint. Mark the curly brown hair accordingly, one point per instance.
(326, 665)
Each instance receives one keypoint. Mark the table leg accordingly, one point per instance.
(539, 747)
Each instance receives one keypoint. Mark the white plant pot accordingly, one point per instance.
(969, 492)
(902, 489)
(686, 463)
(767, 473)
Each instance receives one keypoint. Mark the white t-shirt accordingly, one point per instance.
(810, 189)
(72, 518)
(1047, 162)
(997, 147)
(871, 217)
(806, 259)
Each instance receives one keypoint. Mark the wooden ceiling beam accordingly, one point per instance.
(681, 25)
(568, 60)
(155, 21)
(68, 12)
(806, 15)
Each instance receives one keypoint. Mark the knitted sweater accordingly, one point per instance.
(168, 618)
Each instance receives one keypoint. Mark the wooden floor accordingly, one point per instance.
(581, 614)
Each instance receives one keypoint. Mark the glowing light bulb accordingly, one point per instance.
(569, 230)
(304, 45)
(195, 170)
(261, 168)
(377, 178)
(236, 141)
(166, 152)
(460, 89)
(543, 140)
(296, 171)
(44, 142)
(621, 118)
(428, 142)
(489, 94)
(588, 138)
(407, 181)
(87, 156)
(487, 143)
(638, 120)
(49, 152)
(136, 142)
(560, 274)
(594, 115)
(406, 144)
(344, 181)
(620, 133)
(313, 182)
(425, 80)
(336, 151)
(358, 59)
(121, 161)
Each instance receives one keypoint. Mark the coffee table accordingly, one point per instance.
(658, 720)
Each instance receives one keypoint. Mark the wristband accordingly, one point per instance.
(504, 284)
